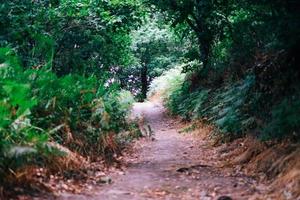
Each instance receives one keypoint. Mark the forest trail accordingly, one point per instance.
(172, 166)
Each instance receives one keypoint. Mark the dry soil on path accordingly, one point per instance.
(172, 166)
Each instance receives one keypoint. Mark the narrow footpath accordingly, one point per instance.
(172, 166)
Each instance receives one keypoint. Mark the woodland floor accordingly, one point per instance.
(172, 166)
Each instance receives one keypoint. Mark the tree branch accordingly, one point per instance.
(193, 26)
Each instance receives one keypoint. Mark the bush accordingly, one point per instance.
(236, 108)
(223, 106)
(285, 119)
(36, 106)
(167, 83)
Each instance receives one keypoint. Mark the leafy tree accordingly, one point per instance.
(208, 19)
(234, 27)
(239, 39)
(56, 88)
(156, 49)
(70, 36)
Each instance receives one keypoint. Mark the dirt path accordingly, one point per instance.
(173, 166)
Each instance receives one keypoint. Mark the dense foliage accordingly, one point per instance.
(70, 36)
(234, 29)
(66, 66)
(38, 107)
(156, 48)
(56, 86)
(248, 77)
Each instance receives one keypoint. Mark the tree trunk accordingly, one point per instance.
(144, 81)
(204, 48)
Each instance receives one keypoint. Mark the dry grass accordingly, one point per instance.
(69, 160)
(33, 178)
(275, 164)
(278, 162)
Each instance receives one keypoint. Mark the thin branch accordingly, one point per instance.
(193, 26)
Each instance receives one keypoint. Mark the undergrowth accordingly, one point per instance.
(38, 107)
(236, 108)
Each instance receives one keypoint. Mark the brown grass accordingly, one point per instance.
(279, 162)
(69, 160)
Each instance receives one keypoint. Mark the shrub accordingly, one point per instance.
(36, 106)
(236, 108)
(167, 83)
(285, 119)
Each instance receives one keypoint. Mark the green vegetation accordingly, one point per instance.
(247, 80)
(156, 48)
(56, 79)
(70, 71)
(71, 36)
(38, 107)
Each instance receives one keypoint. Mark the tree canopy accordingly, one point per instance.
(71, 36)
(70, 71)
